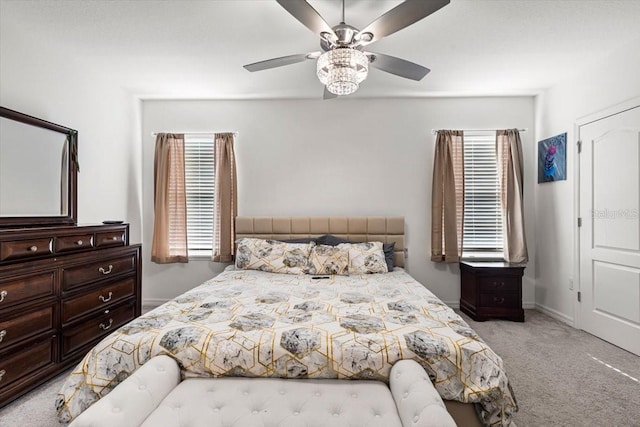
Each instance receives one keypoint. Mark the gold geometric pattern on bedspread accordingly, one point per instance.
(257, 324)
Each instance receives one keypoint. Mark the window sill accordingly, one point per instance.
(482, 256)
(199, 256)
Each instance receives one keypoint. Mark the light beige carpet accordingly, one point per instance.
(560, 376)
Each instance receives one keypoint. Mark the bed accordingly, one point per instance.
(259, 324)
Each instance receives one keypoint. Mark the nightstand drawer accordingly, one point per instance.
(73, 243)
(500, 284)
(103, 297)
(84, 274)
(500, 300)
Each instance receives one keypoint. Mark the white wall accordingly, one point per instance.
(340, 157)
(607, 82)
(44, 80)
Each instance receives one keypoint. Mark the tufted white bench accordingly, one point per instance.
(155, 396)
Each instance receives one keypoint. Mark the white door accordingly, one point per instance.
(610, 232)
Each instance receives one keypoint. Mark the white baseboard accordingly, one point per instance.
(453, 304)
(151, 303)
(527, 305)
(555, 314)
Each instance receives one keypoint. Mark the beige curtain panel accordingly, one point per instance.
(510, 174)
(447, 197)
(170, 205)
(226, 198)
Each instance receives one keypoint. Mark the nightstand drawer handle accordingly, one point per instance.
(2, 374)
(3, 333)
(33, 248)
(105, 327)
(498, 300)
(105, 272)
(114, 238)
(3, 294)
(107, 299)
(498, 284)
(79, 242)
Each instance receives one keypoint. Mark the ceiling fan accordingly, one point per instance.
(343, 63)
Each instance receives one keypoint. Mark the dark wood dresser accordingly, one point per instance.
(62, 288)
(491, 289)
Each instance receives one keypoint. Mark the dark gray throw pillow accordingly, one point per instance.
(300, 240)
(331, 240)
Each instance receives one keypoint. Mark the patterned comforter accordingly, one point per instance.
(256, 324)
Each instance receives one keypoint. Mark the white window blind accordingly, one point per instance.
(482, 217)
(200, 185)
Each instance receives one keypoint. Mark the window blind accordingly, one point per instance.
(200, 187)
(482, 212)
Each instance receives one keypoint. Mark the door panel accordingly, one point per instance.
(616, 172)
(610, 232)
(616, 290)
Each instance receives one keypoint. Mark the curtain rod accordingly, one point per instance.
(435, 131)
(196, 133)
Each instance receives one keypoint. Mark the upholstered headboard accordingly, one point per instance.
(354, 228)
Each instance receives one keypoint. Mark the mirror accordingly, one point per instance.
(38, 171)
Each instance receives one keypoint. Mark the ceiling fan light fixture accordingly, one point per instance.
(342, 70)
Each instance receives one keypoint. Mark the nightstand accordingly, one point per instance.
(491, 289)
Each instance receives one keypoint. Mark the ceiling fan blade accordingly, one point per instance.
(397, 66)
(282, 61)
(328, 95)
(401, 16)
(307, 15)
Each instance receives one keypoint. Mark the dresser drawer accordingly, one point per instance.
(103, 297)
(502, 300)
(110, 238)
(26, 325)
(73, 243)
(26, 288)
(501, 284)
(18, 364)
(25, 249)
(83, 274)
(90, 330)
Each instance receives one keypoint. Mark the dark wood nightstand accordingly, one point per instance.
(491, 289)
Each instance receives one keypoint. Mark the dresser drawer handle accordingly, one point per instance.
(114, 238)
(3, 333)
(498, 284)
(105, 327)
(79, 242)
(105, 272)
(107, 299)
(3, 295)
(498, 300)
(33, 248)
(2, 372)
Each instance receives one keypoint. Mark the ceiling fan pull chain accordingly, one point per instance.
(343, 21)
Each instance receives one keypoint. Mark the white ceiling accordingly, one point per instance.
(196, 49)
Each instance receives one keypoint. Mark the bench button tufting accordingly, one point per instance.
(415, 419)
(296, 413)
(245, 393)
(281, 391)
(254, 412)
(335, 414)
(317, 393)
(354, 395)
(405, 395)
(142, 387)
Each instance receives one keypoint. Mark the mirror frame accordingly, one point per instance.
(72, 214)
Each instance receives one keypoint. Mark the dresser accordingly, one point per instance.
(491, 290)
(62, 289)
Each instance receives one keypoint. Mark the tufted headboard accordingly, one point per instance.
(354, 228)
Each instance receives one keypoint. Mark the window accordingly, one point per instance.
(199, 173)
(482, 211)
